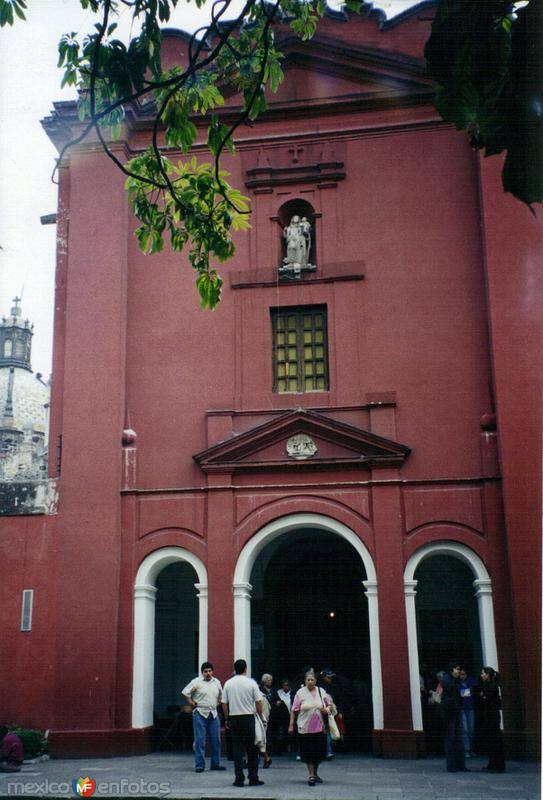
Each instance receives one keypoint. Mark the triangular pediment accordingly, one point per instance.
(301, 439)
(321, 72)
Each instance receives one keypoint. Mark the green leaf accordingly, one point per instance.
(6, 13)
(353, 5)
(219, 135)
(209, 285)
(18, 6)
(143, 234)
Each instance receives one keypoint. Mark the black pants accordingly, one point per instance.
(242, 728)
(491, 740)
(454, 744)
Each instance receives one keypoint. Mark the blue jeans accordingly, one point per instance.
(468, 724)
(202, 726)
(454, 746)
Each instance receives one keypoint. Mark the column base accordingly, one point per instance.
(100, 744)
(390, 743)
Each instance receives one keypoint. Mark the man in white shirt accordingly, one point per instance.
(204, 695)
(241, 698)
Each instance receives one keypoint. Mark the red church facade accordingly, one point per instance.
(348, 452)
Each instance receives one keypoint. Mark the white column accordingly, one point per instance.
(410, 590)
(144, 655)
(202, 594)
(242, 622)
(483, 593)
(375, 654)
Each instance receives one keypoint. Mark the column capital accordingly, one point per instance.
(242, 590)
(410, 588)
(482, 587)
(145, 591)
(370, 587)
(201, 589)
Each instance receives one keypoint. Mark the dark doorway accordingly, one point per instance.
(447, 629)
(447, 615)
(309, 608)
(176, 654)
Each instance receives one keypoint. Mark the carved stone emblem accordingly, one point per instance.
(301, 446)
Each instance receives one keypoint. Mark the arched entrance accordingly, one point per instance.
(309, 608)
(311, 537)
(175, 585)
(464, 599)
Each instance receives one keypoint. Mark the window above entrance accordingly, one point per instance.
(300, 349)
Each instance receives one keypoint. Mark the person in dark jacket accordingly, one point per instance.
(286, 696)
(451, 706)
(11, 751)
(490, 728)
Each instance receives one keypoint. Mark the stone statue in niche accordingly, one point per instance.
(297, 236)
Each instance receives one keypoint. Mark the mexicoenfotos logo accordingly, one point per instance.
(83, 787)
(86, 787)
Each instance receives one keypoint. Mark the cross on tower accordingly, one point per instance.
(15, 310)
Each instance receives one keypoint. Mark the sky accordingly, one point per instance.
(29, 84)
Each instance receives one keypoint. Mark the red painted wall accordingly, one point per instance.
(28, 659)
(514, 243)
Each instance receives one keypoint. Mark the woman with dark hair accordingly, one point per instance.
(310, 710)
(490, 730)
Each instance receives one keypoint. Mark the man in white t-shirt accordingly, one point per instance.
(240, 700)
(204, 695)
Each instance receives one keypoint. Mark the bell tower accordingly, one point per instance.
(16, 339)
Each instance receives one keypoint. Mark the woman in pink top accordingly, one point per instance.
(310, 710)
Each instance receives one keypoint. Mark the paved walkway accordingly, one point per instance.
(347, 777)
